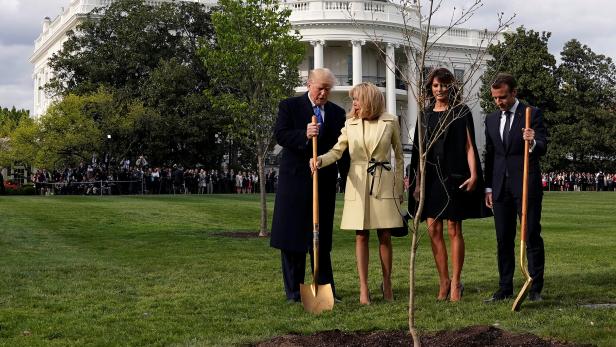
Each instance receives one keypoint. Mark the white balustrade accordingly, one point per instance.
(374, 6)
(337, 5)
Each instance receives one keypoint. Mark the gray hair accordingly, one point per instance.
(323, 75)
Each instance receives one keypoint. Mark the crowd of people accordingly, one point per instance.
(93, 179)
(579, 181)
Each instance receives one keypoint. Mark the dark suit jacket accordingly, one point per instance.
(292, 221)
(498, 161)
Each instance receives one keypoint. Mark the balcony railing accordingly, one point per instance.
(345, 10)
(348, 11)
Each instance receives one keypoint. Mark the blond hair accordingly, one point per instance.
(371, 100)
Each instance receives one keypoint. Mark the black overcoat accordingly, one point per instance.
(292, 220)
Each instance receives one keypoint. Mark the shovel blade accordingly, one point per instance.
(517, 304)
(317, 299)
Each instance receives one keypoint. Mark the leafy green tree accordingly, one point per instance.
(525, 55)
(146, 55)
(253, 65)
(19, 144)
(120, 46)
(185, 129)
(10, 119)
(75, 128)
(578, 97)
(583, 131)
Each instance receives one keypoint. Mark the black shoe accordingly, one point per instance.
(337, 299)
(534, 296)
(499, 295)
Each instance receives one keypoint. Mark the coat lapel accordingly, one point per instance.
(384, 119)
(495, 128)
(380, 128)
(307, 112)
(356, 129)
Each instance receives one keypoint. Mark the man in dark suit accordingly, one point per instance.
(504, 163)
(292, 221)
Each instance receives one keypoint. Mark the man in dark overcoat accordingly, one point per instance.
(292, 222)
(504, 163)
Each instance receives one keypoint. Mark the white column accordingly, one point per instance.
(412, 113)
(357, 64)
(390, 82)
(318, 53)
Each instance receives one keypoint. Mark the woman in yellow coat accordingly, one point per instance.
(374, 188)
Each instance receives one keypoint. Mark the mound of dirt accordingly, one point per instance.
(474, 336)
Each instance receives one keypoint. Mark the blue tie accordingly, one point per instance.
(317, 112)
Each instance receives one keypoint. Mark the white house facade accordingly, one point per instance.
(358, 40)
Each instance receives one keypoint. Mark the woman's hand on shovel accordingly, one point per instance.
(314, 167)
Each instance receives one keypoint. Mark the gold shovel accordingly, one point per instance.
(316, 298)
(523, 266)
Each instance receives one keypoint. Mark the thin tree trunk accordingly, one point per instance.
(417, 220)
(262, 193)
(412, 328)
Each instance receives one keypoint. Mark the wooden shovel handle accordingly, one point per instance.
(525, 180)
(315, 180)
(315, 211)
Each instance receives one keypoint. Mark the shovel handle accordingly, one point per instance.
(522, 294)
(315, 209)
(525, 180)
(315, 180)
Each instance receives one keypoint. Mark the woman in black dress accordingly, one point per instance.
(453, 176)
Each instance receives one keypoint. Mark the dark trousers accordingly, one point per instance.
(294, 270)
(507, 209)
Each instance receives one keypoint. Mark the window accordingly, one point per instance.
(459, 75)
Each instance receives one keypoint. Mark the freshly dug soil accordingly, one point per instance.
(474, 336)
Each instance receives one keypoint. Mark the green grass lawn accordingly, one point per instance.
(139, 271)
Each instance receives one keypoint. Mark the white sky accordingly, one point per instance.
(590, 21)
